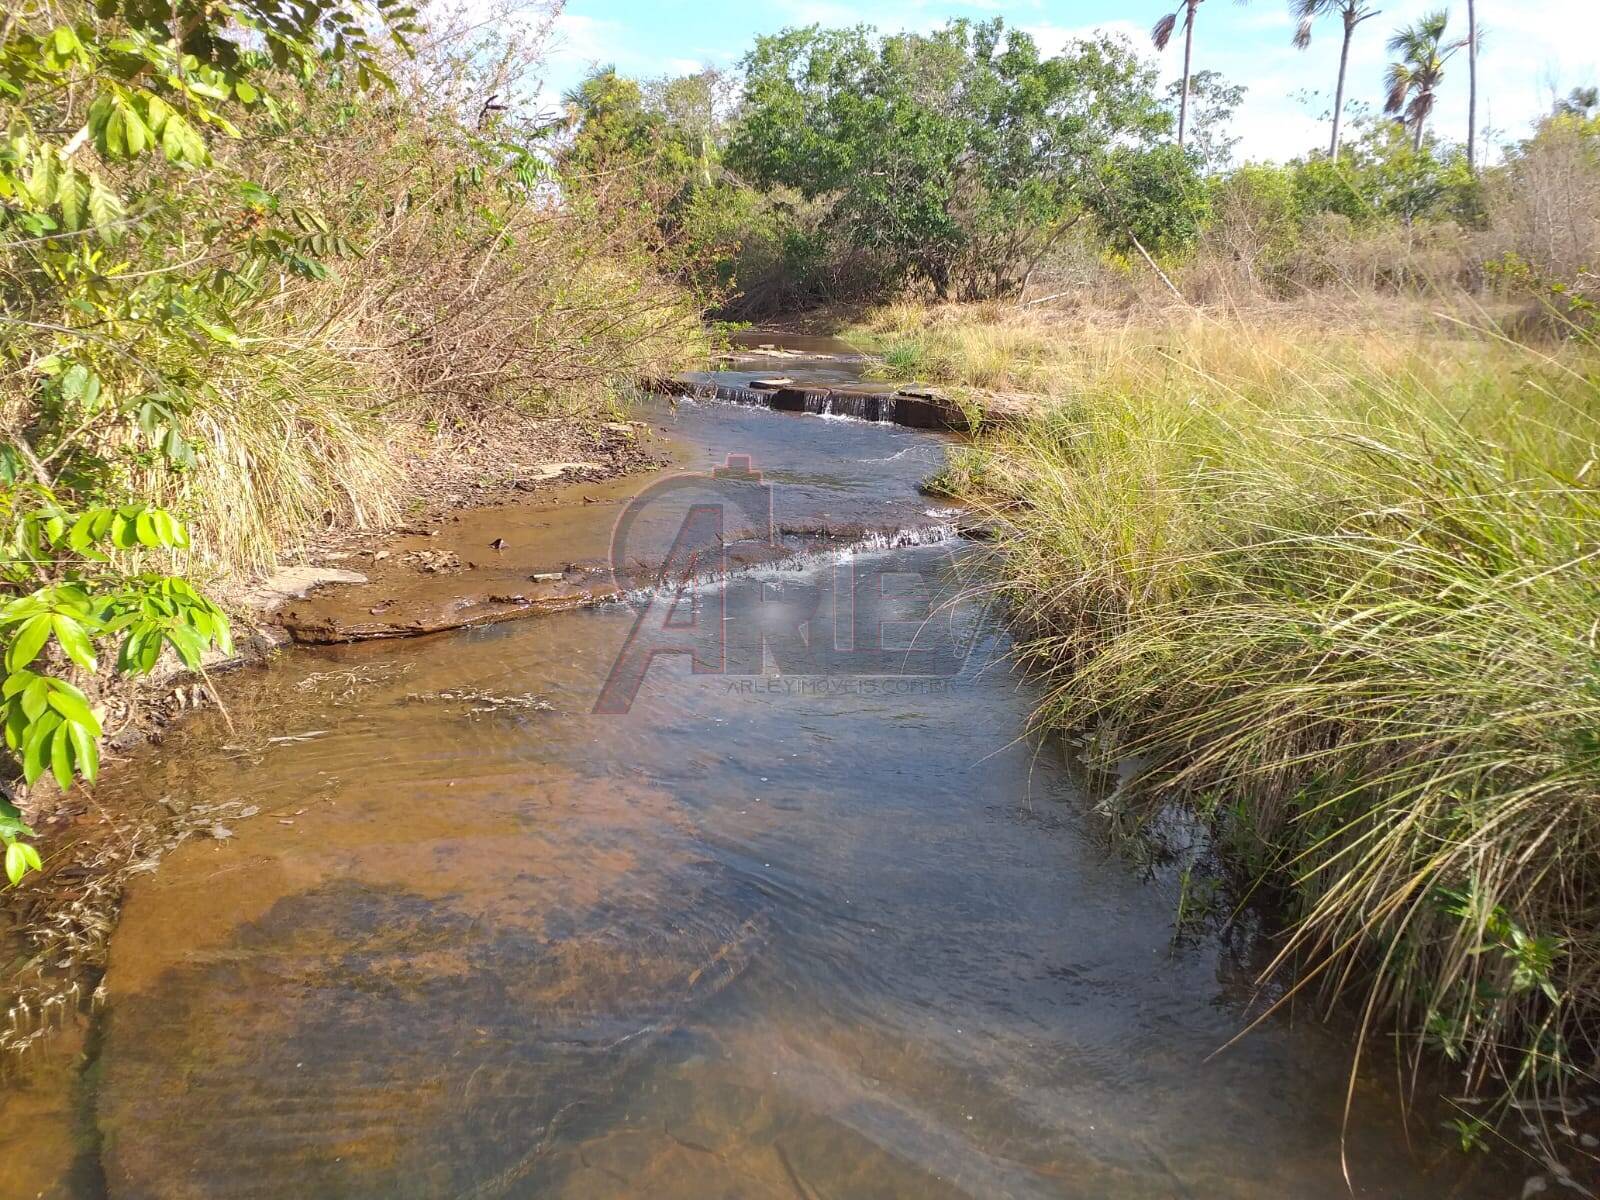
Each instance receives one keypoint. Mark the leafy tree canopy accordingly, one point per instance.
(1212, 104)
(954, 157)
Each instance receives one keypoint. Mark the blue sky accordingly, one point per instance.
(1528, 48)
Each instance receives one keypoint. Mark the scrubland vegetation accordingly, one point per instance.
(1337, 595)
(255, 256)
(1304, 517)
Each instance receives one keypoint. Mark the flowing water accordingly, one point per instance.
(821, 926)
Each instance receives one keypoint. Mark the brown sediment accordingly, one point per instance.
(526, 560)
(553, 555)
(59, 922)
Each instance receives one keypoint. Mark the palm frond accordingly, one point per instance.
(1302, 35)
(1161, 31)
(1419, 108)
(1400, 80)
(1405, 42)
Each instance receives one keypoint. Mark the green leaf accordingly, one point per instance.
(44, 178)
(188, 645)
(128, 658)
(36, 747)
(16, 863)
(74, 641)
(12, 467)
(35, 698)
(73, 195)
(61, 757)
(105, 209)
(82, 535)
(86, 750)
(76, 710)
(149, 655)
(29, 640)
(16, 726)
(217, 333)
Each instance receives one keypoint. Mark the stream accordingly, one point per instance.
(614, 903)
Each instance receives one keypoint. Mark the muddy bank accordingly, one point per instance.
(501, 463)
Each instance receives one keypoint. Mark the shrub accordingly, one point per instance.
(179, 335)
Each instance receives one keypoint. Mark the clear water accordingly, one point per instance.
(760, 935)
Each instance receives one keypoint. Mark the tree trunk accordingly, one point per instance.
(1338, 96)
(1472, 86)
(1416, 136)
(1188, 51)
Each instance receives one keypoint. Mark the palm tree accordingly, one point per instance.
(1579, 102)
(1414, 79)
(1472, 86)
(1161, 34)
(1353, 13)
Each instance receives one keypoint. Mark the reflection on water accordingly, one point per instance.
(759, 936)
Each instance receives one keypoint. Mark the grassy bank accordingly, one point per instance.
(269, 274)
(1340, 595)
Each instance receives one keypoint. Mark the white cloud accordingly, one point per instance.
(1053, 38)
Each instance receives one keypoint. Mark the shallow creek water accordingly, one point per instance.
(772, 934)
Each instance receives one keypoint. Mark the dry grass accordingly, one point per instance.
(463, 307)
(1059, 351)
(1340, 595)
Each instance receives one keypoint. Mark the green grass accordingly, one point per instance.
(1345, 603)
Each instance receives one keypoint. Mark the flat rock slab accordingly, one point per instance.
(545, 471)
(294, 583)
(915, 408)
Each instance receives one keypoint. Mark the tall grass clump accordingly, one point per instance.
(348, 274)
(1345, 605)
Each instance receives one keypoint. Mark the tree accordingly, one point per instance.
(1160, 35)
(956, 157)
(694, 108)
(1581, 102)
(1472, 85)
(1212, 104)
(1415, 77)
(1352, 13)
(1151, 200)
(612, 127)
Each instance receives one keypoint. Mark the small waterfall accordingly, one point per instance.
(921, 410)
